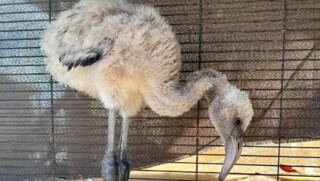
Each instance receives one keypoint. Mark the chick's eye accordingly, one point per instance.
(238, 122)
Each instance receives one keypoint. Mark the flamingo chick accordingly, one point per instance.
(127, 56)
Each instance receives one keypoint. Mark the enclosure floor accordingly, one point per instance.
(266, 166)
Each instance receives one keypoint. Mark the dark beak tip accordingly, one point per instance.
(233, 151)
(222, 176)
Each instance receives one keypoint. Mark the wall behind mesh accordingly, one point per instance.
(267, 47)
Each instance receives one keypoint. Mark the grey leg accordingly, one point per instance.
(124, 168)
(110, 162)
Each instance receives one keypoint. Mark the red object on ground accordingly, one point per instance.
(287, 168)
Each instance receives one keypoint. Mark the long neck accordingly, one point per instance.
(169, 100)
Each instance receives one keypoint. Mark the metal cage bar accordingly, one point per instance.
(267, 47)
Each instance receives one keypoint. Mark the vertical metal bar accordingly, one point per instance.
(52, 113)
(199, 68)
(282, 84)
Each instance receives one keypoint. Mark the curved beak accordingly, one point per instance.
(233, 148)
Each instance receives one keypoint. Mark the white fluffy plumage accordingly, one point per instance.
(127, 56)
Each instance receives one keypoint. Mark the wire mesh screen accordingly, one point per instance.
(268, 47)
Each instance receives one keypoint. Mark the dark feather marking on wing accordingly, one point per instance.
(85, 62)
(76, 64)
(70, 65)
(91, 60)
(92, 55)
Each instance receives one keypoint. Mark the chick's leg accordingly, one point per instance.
(124, 168)
(110, 162)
